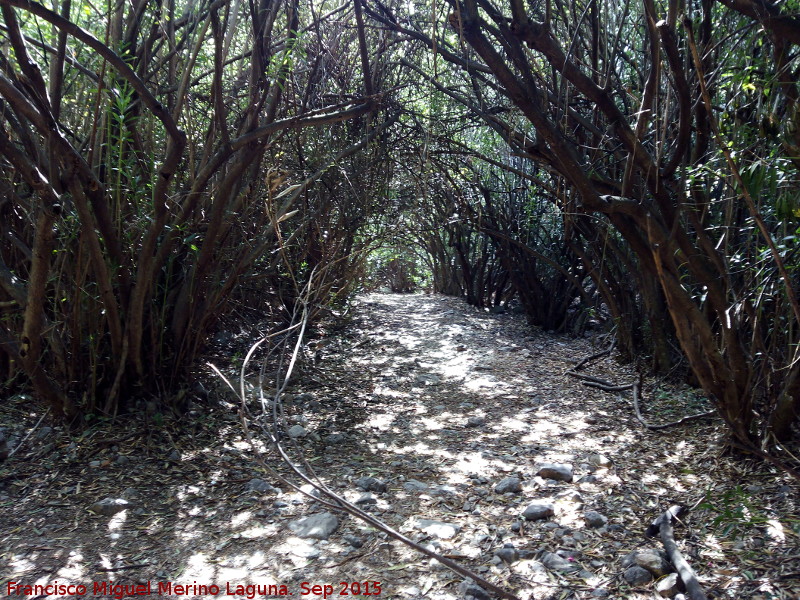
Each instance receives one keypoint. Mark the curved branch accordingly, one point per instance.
(663, 526)
(684, 97)
(645, 113)
(109, 55)
(636, 393)
(303, 470)
(769, 15)
(438, 45)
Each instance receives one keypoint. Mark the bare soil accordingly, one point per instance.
(401, 384)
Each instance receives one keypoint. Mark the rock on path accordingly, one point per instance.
(319, 526)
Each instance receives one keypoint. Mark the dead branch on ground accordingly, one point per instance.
(663, 526)
(592, 357)
(274, 424)
(636, 392)
(607, 386)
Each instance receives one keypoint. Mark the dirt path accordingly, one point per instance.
(441, 403)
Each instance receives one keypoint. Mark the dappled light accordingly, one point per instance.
(400, 299)
(442, 447)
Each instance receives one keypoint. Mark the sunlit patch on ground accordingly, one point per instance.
(404, 397)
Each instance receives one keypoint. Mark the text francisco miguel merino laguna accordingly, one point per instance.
(167, 588)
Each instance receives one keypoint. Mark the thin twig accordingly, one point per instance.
(636, 388)
(767, 457)
(39, 422)
(329, 499)
(588, 359)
